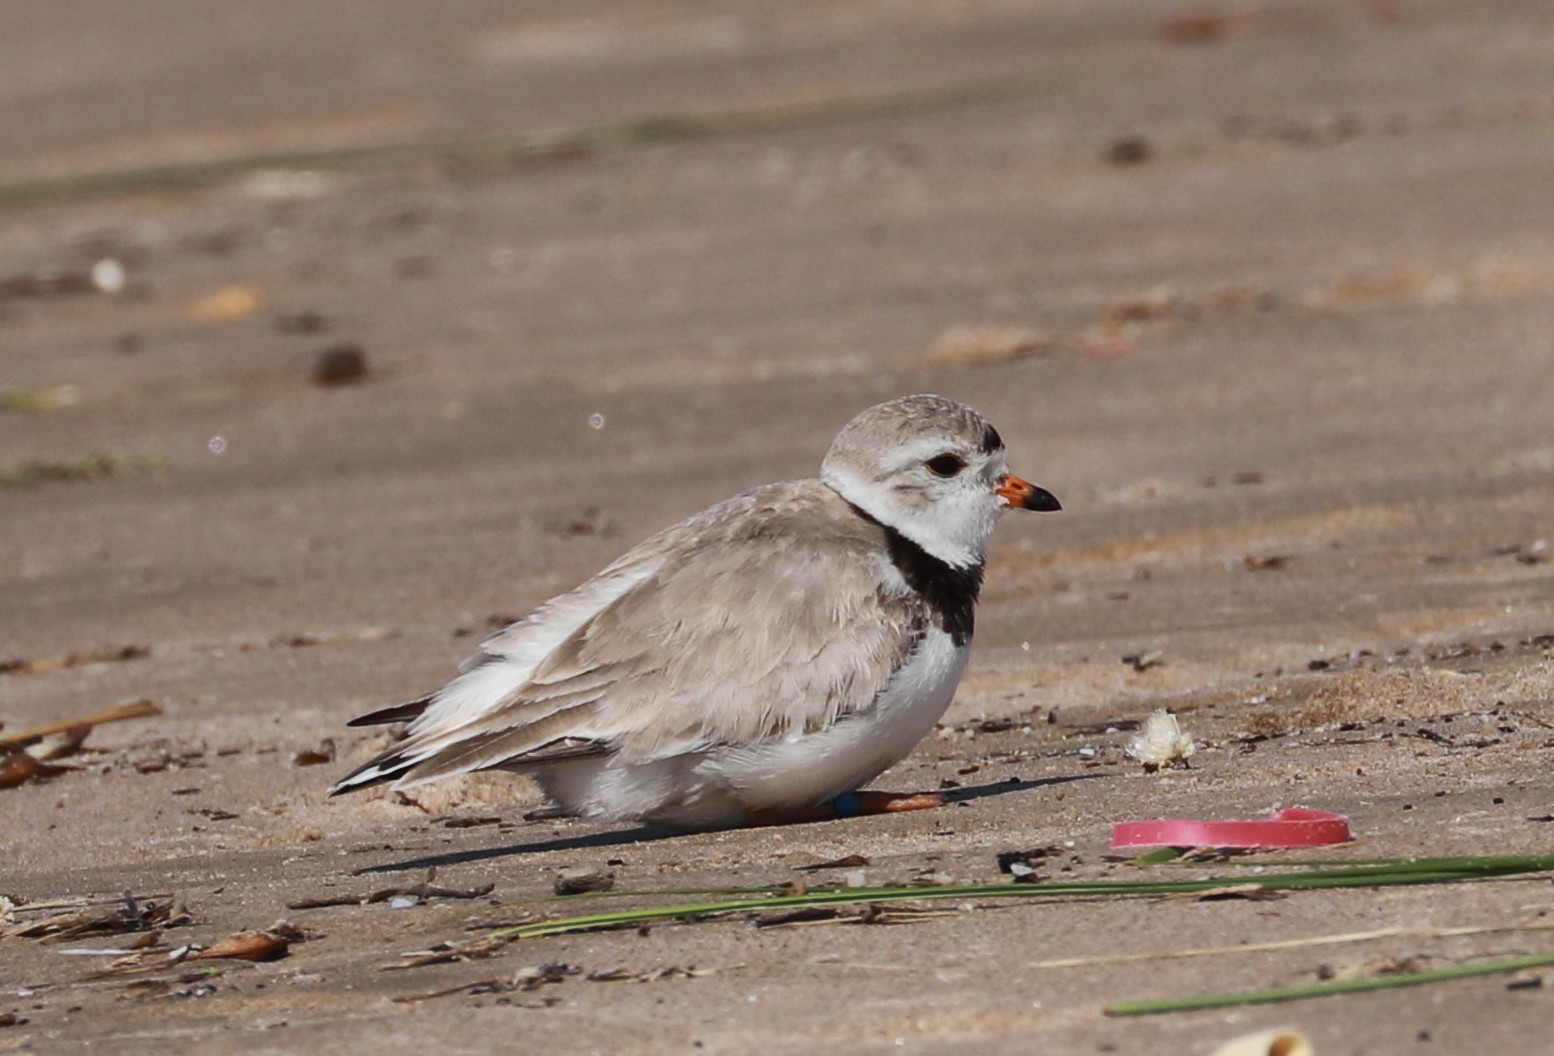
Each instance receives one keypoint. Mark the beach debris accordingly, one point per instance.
(48, 282)
(1129, 150)
(397, 897)
(238, 301)
(81, 918)
(44, 664)
(25, 754)
(1275, 1041)
(340, 364)
(427, 889)
(1160, 743)
(1143, 661)
(851, 861)
(325, 901)
(108, 276)
(213, 813)
(324, 753)
(196, 983)
(449, 953)
(422, 892)
(523, 980)
(268, 945)
(581, 880)
(1294, 827)
(95, 465)
(244, 946)
(159, 754)
(804, 915)
(18, 768)
(868, 913)
(652, 975)
(60, 743)
(1023, 865)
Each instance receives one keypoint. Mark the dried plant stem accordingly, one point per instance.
(138, 709)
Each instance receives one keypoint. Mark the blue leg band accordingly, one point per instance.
(847, 806)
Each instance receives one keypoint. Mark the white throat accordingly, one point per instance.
(955, 532)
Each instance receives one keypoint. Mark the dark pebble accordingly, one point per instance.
(340, 365)
(1129, 150)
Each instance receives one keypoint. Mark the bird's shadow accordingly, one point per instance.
(648, 833)
(1013, 784)
(614, 838)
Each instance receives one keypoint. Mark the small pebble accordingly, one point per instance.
(343, 364)
(1129, 150)
(577, 880)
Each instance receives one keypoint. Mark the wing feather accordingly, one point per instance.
(772, 614)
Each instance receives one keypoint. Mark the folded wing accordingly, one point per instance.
(761, 618)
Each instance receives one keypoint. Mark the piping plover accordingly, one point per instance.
(757, 662)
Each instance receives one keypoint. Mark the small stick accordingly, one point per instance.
(137, 709)
(494, 981)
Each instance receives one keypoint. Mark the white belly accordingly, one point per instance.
(714, 789)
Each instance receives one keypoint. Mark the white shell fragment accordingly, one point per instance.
(1160, 742)
(1278, 1041)
(108, 276)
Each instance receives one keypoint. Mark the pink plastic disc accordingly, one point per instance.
(1295, 827)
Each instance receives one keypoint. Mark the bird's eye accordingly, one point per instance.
(945, 465)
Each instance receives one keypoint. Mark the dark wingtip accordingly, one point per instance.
(397, 713)
(387, 770)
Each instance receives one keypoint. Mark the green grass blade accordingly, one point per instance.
(1435, 870)
(1347, 986)
(1160, 856)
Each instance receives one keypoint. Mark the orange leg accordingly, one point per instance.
(894, 802)
(850, 805)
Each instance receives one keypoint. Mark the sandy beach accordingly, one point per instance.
(331, 342)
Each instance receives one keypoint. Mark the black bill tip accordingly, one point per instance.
(1041, 500)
